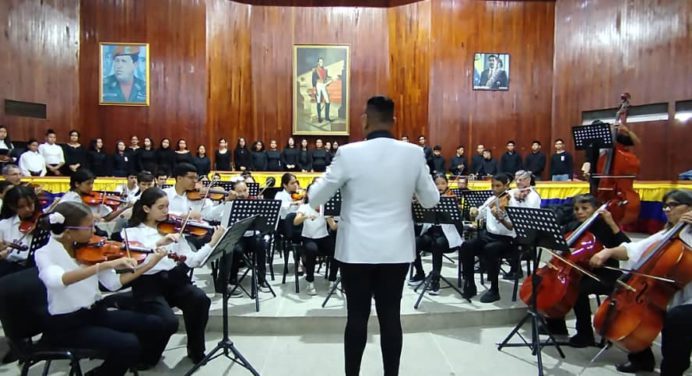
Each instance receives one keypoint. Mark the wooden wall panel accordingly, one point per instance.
(640, 46)
(39, 59)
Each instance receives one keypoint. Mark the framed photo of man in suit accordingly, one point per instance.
(124, 74)
(321, 90)
(491, 71)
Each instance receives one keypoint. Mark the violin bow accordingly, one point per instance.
(586, 273)
(662, 279)
(187, 219)
(206, 194)
(127, 243)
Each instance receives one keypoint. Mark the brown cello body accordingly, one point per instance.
(632, 318)
(618, 188)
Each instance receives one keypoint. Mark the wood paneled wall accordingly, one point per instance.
(639, 46)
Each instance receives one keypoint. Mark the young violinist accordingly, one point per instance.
(167, 284)
(608, 233)
(316, 240)
(524, 195)
(289, 204)
(77, 318)
(18, 216)
(130, 188)
(185, 175)
(438, 239)
(676, 342)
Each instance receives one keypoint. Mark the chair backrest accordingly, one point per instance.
(23, 304)
(291, 231)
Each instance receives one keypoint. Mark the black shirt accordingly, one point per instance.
(290, 157)
(274, 160)
(75, 155)
(488, 167)
(305, 160)
(146, 160)
(437, 164)
(510, 163)
(477, 161)
(535, 162)
(166, 160)
(98, 162)
(600, 229)
(456, 161)
(222, 161)
(120, 164)
(242, 158)
(183, 158)
(203, 165)
(259, 160)
(561, 163)
(320, 160)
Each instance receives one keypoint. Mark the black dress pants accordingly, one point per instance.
(434, 241)
(314, 247)
(490, 248)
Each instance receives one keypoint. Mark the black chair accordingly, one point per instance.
(23, 310)
(292, 239)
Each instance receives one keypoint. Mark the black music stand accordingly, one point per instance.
(537, 228)
(445, 212)
(267, 212)
(332, 208)
(39, 239)
(592, 136)
(230, 237)
(474, 199)
(226, 185)
(253, 189)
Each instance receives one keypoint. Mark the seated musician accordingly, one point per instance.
(609, 234)
(20, 204)
(130, 188)
(523, 196)
(290, 185)
(167, 284)
(4, 187)
(12, 173)
(145, 180)
(77, 318)
(438, 239)
(676, 342)
(316, 240)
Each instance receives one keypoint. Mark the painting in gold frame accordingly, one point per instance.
(124, 74)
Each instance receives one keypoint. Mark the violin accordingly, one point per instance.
(632, 316)
(214, 194)
(179, 225)
(27, 226)
(99, 249)
(101, 198)
(298, 195)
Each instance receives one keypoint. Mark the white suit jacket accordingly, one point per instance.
(378, 179)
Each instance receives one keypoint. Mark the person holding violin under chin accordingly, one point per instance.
(181, 200)
(676, 334)
(167, 284)
(18, 218)
(77, 318)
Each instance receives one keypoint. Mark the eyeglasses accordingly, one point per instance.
(80, 227)
(671, 205)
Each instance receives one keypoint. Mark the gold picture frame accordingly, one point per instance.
(124, 74)
(321, 90)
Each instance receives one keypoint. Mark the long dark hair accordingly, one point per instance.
(12, 197)
(79, 177)
(8, 142)
(148, 198)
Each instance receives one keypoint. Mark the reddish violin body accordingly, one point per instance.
(174, 225)
(99, 249)
(633, 318)
(620, 190)
(99, 198)
(298, 195)
(27, 226)
(214, 194)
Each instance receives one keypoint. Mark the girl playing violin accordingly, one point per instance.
(438, 239)
(608, 233)
(18, 216)
(77, 318)
(167, 284)
(676, 343)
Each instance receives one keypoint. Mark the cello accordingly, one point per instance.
(632, 316)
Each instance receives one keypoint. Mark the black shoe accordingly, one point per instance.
(582, 340)
(144, 366)
(416, 280)
(434, 288)
(512, 275)
(469, 289)
(633, 367)
(196, 358)
(9, 358)
(490, 296)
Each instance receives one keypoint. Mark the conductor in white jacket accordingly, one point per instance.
(375, 243)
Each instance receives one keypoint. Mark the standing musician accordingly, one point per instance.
(20, 206)
(77, 318)
(167, 284)
(607, 232)
(676, 344)
(439, 239)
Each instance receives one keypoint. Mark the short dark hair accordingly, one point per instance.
(586, 199)
(503, 178)
(511, 142)
(80, 176)
(74, 131)
(460, 147)
(380, 109)
(145, 177)
(536, 142)
(437, 147)
(559, 139)
(50, 131)
(683, 196)
(286, 178)
(182, 169)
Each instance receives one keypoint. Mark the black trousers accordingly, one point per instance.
(157, 293)
(314, 247)
(434, 241)
(676, 343)
(125, 338)
(9, 267)
(385, 282)
(490, 248)
(256, 245)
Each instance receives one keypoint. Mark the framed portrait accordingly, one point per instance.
(321, 90)
(491, 71)
(124, 74)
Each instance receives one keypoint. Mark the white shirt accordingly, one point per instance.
(180, 205)
(314, 228)
(492, 225)
(31, 161)
(53, 154)
(532, 200)
(635, 251)
(148, 236)
(99, 211)
(53, 262)
(9, 233)
(130, 193)
(287, 204)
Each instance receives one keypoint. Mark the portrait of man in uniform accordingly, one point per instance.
(124, 74)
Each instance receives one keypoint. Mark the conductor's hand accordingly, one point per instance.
(218, 233)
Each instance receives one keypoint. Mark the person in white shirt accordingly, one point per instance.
(77, 318)
(288, 204)
(316, 240)
(20, 204)
(31, 162)
(375, 243)
(676, 340)
(129, 189)
(185, 175)
(52, 153)
(167, 284)
(438, 239)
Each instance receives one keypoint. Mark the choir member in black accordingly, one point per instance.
(320, 157)
(609, 234)
(289, 156)
(134, 144)
(458, 164)
(165, 156)
(6, 147)
(561, 164)
(510, 162)
(488, 165)
(97, 158)
(259, 156)
(241, 156)
(201, 161)
(426, 149)
(404, 138)
(477, 159)
(335, 147)
(437, 162)
(120, 161)
(133, 152)
(182, 153)
(304, 157)
(19, 204)
(75, 155)
(222, 157)
(274, 157)
(146, 157)
(535, 160)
